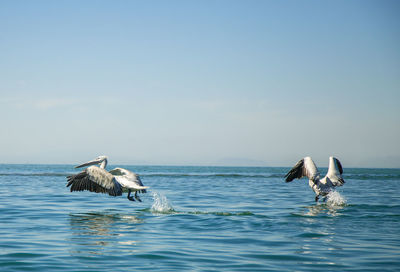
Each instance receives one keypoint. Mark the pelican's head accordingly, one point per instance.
(102, 160)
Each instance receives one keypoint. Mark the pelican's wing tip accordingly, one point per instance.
(295, 172)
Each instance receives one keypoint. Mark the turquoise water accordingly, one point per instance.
(199, 219)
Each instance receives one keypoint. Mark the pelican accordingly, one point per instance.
(307, 168)
(97, 179)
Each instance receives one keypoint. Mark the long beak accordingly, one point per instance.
(88, 163)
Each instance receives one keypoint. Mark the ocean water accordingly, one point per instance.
(199, 219)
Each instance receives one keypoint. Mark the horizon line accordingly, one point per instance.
(196, 165)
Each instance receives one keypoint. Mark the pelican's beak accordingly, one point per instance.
(95, 161)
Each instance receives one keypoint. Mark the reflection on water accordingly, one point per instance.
(321, 209)
(318, 232)
(99, 232)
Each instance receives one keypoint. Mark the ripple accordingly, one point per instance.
(249, 221)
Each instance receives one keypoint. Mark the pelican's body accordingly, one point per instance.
(97, 179)
(321, 186)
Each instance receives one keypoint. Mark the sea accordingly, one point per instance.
(199, 219)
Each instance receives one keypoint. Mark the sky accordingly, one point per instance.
(251, 83)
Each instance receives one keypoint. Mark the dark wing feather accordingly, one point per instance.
(296, 171)
(340, 168)
(86, 182)
(141, 184)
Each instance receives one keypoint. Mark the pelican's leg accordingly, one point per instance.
(137, 197)
(316, 198)
(129, 196)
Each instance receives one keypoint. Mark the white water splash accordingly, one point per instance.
(334, 198)
(161, 204)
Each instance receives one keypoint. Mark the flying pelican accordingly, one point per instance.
(307, 168)
(97, 179)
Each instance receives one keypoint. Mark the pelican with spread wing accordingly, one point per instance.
(97, 179)
(307, 168)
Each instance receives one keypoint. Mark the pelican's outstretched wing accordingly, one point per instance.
(335, 172)
(95, 179)
(303, 168)
(128, 179)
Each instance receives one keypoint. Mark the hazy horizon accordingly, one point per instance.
(320, 165)
(262, 83)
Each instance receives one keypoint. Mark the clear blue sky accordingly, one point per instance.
(200, 82)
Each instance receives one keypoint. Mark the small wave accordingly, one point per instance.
(211, 175)
(215, 213)
(245, 213)
(159, 175)
(369, 176)
(36, 174)
(161, 205)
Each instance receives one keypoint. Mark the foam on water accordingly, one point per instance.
(161, 204)
(334, 198)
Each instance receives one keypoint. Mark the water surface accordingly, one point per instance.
(199, 219)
